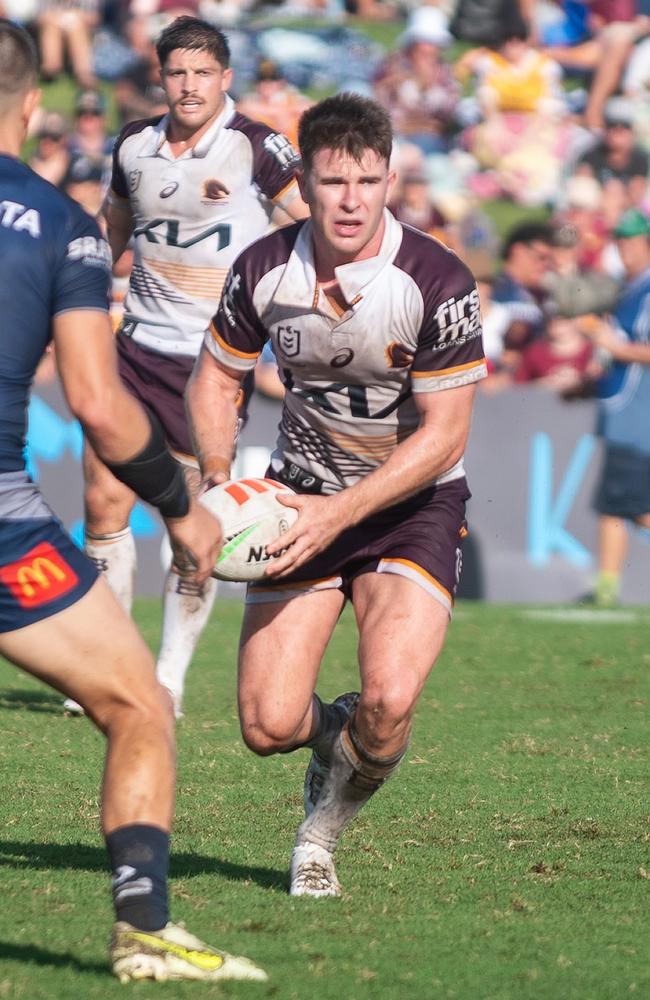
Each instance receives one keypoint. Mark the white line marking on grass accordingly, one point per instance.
(591, 616)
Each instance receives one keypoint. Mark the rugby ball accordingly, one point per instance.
(251, 516)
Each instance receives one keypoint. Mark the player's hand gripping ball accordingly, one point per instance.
(251, 516)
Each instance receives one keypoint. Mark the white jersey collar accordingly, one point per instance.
(298, 285)
(158, 145)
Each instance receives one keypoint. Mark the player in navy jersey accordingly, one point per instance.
(58, 621)
(193, 188)
(377, 332)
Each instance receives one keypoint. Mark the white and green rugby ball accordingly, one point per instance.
(251, 516)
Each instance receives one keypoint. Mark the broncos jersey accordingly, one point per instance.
(54, 259)
(413, 325)
(192, 215)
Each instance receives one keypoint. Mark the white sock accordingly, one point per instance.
(355, 775)
(115, 557)
(186, 610)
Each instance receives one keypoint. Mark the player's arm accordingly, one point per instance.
(211, 400)
(292, 209)
(436, 446)
(119, 223)
(628, 352)
(126, 439)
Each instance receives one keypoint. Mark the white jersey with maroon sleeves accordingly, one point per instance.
(413, 326)
(192, 215)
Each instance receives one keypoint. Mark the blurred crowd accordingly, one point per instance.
(534, 107)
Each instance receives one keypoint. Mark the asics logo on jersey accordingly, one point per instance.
(135, 176)
(280, 147)
(343, 358)
(458, 319)
(169, 190)
(21, 219)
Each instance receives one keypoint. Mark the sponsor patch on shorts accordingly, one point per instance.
(40, 576)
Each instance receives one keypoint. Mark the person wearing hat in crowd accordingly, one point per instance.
(416, 87)
(51, 157)
(274, 101)
(617, 162)
(623, 492)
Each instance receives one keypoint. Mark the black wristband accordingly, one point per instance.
(154, 475)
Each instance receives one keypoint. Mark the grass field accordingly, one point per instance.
(508, 859)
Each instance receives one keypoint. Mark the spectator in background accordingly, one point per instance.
(523, 134)
(89, 142)
(617, 162)
(416, 87)
(138, 92)
(623, 493)
(522, 285)
(414, 206)
(66, 27)
(275, 101)
(561, 360)
(51, 158)
(83, 182)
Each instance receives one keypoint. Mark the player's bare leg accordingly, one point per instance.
(109, 541)
(186, 610)
(402, 630)
(281, 647)
(93, 653)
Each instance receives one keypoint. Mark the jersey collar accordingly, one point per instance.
(158, 144)
(298, 285)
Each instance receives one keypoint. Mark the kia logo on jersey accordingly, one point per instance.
(169, 190)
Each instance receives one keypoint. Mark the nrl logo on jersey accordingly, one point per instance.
(135, 177)
(289, 341)
(458, 319)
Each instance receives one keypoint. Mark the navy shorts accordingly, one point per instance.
(624, 486)
(41, 571)
(420, 539)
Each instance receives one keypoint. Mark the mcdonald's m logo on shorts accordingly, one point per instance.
(40, 576)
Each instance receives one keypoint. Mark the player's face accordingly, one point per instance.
(346, 198)
(195, 85)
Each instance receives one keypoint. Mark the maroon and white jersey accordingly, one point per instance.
(413, 326)
(193, 214)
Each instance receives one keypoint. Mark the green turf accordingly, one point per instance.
(508, 859)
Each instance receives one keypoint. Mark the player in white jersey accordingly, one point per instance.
(192, 188)
(376, 328)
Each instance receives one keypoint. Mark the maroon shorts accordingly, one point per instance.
(158, 381)
(420, 539)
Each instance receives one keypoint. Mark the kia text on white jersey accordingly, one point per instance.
(192, 215)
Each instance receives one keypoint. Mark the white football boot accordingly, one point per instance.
(312, 872)
(173, 953)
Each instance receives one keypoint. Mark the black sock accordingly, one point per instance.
(331, 720)
(139, 857)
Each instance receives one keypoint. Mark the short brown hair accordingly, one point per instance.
(188, 32)
(18, 61)
(347, 123)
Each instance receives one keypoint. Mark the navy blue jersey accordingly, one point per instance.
(53, 259)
